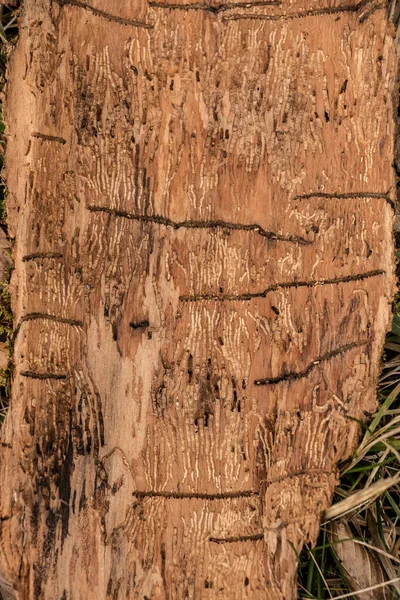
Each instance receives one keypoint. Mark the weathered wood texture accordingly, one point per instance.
(202, 202)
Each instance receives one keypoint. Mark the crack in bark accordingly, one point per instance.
(36, 375)
(279, 286)
(237, 538)
(293, 375)
(348, 196)
(316, 12)
(39, 255)
(194, 495)
(190, 224)
(49, 138)
(105, 15)
(215, 9)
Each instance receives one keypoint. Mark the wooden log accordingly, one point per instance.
(202, 200)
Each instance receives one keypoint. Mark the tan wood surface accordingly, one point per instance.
(202, 199)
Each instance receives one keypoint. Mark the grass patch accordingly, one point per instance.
(361, 533)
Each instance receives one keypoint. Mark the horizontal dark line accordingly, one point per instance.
(105, 15)
(45, 316)
(139, 325)
(293, 375)
(302, 473)
(284, 524)
(49, 138)
(36, 375)
(352, 8)
(214, 9)
(194, 495)
(189, 224)
(349, 196)
(2, 519)
(237, 538)
(279, 286)
(55, 318)
(40, 255)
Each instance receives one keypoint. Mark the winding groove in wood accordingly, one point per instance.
(280, 286)
(302, 473)
(105, 15)
(284, 524)
(49, 138)
(47, 317)
(214, 9)
(194, 495)
(256, 537)
(348, 196)
(189, 224)
(41, 255)
(293, 375)
(334, 10)
(36, 375)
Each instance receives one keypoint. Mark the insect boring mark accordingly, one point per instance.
(37, 375)
(49, 138)
(194, 495)
(214, 9)
(315, 12)
(41, 255)
(347, 196)
(105, 15)
(191, 224)
(293, 375)
(139, 325)
(237, 538)
(246, 297)
(190, 368)
(48, 317)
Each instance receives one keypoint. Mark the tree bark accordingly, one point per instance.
(202, 202)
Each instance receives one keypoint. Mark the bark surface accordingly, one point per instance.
(202, 200)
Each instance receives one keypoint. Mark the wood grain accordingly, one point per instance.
(202, 198)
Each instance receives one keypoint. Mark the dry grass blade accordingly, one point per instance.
(360, 498)
(369, 490)
(361, 568)
(384, 558)
(372, 588)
